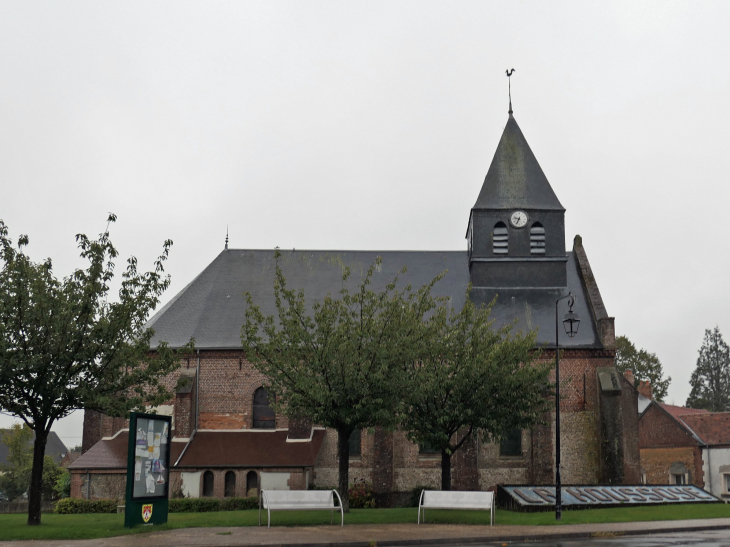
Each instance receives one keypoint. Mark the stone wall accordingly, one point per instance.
(99, 484)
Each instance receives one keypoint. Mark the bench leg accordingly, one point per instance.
(342, 517)
(269, 523)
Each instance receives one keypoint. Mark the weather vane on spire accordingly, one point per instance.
(226, 237)
(509, 84)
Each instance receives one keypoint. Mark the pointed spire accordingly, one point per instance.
(226, 237)
(515, 179)
(509, 87)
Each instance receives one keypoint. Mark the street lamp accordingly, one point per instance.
(571, 322)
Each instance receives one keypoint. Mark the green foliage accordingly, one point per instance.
(415, 497)
(710, 380)
(207, 505)
(644, 365)
(51, 475)
(68, 344)
(342, 364)
(473, 378)
(63, 485)
(15, 475)
(72, 506)
(362, 495)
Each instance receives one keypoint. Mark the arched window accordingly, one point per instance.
(500, 239)
(537, 239)
(208, 483)
(511, 444)
(230, 490)
(263, 415)
(252, 484)
(355, 449)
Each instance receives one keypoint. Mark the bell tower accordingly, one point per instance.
(516, 232)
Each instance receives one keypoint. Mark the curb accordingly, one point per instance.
(496, 539)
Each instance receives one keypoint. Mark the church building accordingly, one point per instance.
(228, 442)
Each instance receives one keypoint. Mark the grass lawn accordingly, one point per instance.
(13, 527)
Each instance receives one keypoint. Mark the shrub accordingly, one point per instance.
(362, 495)
(239, 504)
(194, 505)
(207, 505)
(71, 506)
(416, 495)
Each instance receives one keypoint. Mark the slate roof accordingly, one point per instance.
(211, 308)
(515, 180)
(54, 447)
(111, 453)
(250, 448)
(209, 448)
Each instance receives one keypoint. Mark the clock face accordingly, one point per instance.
(518, 219)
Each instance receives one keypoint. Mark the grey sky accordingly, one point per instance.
(371, 125)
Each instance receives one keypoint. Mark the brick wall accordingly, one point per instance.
(662, 442)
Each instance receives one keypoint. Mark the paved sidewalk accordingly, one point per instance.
(367, 535)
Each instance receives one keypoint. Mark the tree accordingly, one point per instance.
(644, 365)
(65, 346)
(473, 379)
(710, 380)
(15, 475)
(343, 365)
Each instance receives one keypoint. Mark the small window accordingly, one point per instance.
(263, 415)
(726, 483)
(425, 449)
(537, 239)
(230, 490)
(208, 483)
(252, 484)
(511, 444)
(355, 439)
(678, 479)
(643, 477)
(500, 239)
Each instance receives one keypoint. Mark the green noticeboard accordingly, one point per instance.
(148, 469)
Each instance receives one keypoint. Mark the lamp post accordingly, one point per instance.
(571, 322)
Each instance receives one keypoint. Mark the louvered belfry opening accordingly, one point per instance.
(500, 239)
(263, 415)
(537, 239)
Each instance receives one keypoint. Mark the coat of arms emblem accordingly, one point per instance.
(146, 512)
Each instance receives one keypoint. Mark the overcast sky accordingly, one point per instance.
(371, 125)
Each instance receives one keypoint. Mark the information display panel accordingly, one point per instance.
(151, 457)
(148, 469)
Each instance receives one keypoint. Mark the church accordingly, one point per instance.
(227, 441)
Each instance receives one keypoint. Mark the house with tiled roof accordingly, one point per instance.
(680, 445)
(228, 441)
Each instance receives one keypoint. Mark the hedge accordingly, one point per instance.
(69, 506)
(205, 505)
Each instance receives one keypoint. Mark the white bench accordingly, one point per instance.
(296, 500)
(437, 499)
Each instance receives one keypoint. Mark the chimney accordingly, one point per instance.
(629, 376)
(645, 389)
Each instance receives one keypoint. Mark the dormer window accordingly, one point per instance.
(537, 239)
(500, 239)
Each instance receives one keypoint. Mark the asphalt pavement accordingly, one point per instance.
(636, 534)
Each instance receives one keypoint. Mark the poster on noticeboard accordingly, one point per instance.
(151, 457)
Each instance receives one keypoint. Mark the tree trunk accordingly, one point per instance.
(343, 455)
(36, 477)
(445, 470)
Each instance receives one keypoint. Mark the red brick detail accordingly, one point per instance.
(660, 437)
(466, 471)
(645, 389)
